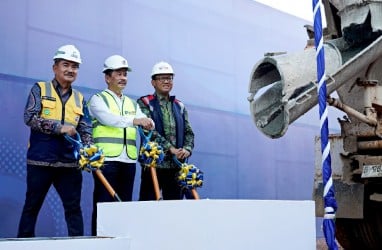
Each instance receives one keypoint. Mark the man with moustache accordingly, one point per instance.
(55, 109)
(115, 117)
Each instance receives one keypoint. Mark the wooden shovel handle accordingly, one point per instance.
(107, 185)
(155, 182)
(195, 194)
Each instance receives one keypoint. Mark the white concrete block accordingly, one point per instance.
(65, 243)
(211, 224)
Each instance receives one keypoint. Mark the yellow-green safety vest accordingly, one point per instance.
(52, 106)
(112, 139)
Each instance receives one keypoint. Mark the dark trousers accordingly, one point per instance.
(68, 184)
(168, 184)
(121, 177)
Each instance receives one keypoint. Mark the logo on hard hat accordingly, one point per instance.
(74, 54)
(60, 52)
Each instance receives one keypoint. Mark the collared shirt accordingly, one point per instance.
(169, 139)
(33, 119)
(33, 110)
(169, 124)
(99, 110)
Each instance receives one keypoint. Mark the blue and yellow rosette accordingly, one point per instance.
(90, 157)
(151, 153)
(189, 177)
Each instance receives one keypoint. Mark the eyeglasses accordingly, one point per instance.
(164, 79)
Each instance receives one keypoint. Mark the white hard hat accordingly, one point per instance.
(162, 68)
(68, 52)
(115, 62)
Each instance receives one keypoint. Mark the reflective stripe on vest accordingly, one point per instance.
(112, 139)
(51, 105)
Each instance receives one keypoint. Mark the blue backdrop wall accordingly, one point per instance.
(212, 46)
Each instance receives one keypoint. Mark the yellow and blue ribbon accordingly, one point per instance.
(90, 157)
(151, 153)
(189, 176)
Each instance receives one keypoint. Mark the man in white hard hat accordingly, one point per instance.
(55, 109)
(115, 117)
(172, 131)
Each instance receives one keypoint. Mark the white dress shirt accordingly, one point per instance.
(99, 110)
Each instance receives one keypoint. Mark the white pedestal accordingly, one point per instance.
(211, 224)
(86, 243)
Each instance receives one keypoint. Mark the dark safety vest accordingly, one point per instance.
(112, 139)
(50, 148)
(152, 102)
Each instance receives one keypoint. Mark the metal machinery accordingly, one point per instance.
(283, 87)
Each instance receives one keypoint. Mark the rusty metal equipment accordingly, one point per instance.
(283, 87)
